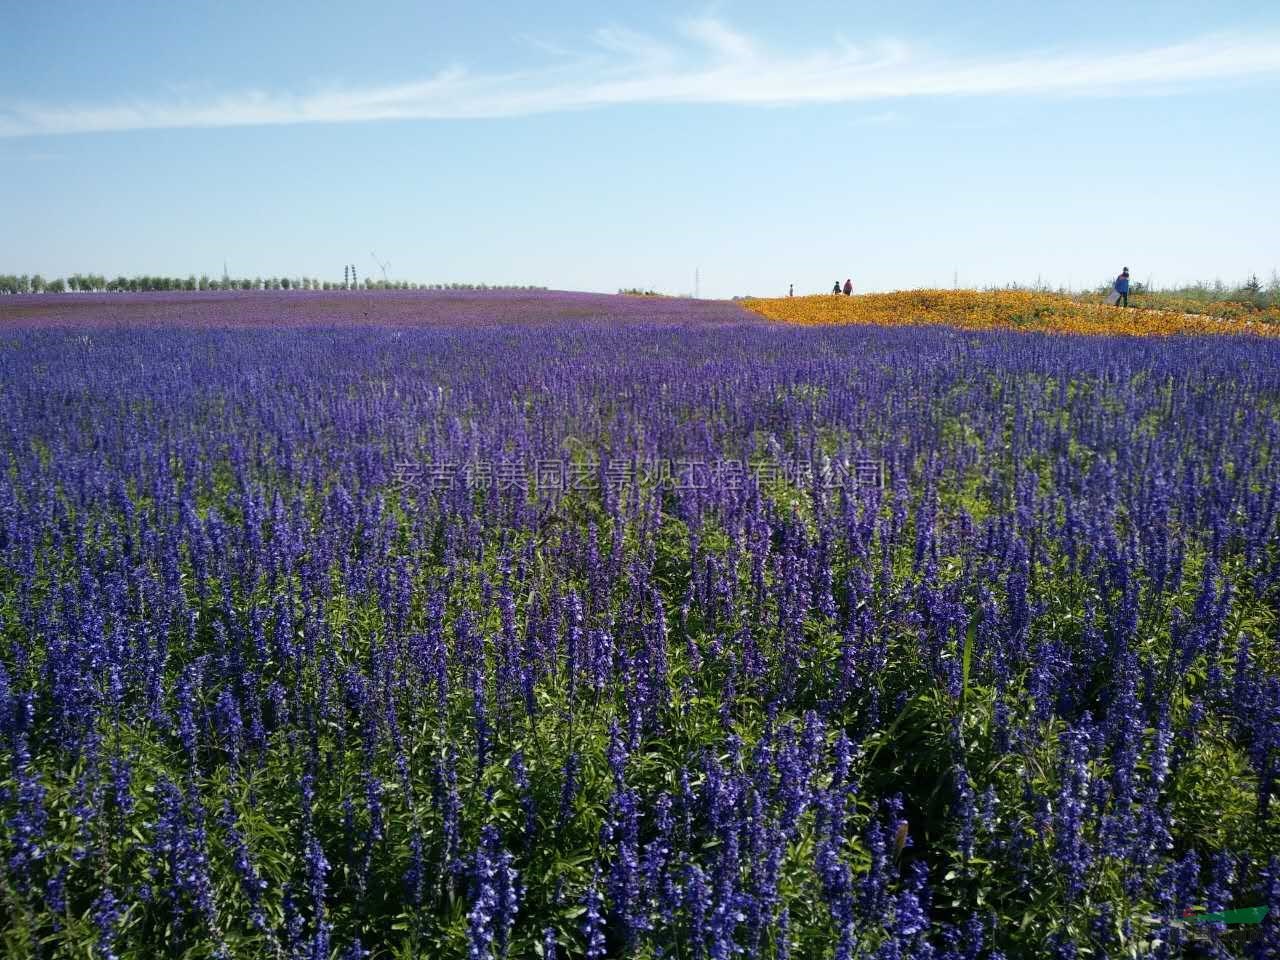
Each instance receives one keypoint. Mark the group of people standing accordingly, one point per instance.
(847, 289)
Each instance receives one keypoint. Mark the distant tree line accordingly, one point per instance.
(97, 283)
(1253, 290)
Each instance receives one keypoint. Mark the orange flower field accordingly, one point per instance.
(998, 310)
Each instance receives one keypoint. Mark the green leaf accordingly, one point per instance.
(967, 658)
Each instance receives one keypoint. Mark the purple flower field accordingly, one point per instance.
(578, 626)
(378, 307)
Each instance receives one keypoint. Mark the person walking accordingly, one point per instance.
(848, 287)
(836, 288)
(791, 290)
(1122, 287)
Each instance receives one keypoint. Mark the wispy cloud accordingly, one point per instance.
(706, 62)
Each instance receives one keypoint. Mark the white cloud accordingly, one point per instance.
(713, 63)
(721, 39)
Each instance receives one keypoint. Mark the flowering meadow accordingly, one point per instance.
(234, 310)
(1239, 306)
(1014, 694)
(1015, 310)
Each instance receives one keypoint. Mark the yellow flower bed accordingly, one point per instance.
(999, 310)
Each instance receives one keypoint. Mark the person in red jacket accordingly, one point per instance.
(848, 287)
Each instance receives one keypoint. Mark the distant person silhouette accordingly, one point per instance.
(848, 287)
(791, 290)
(836, 288)
(1122, 288)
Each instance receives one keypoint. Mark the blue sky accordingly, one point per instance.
(592, 146)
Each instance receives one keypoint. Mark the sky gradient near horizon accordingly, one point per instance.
(581, 147)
